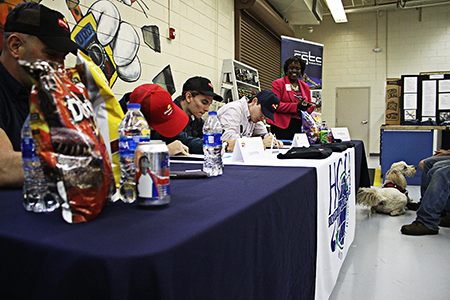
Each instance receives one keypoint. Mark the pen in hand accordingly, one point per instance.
(271, 143)
(274, 143)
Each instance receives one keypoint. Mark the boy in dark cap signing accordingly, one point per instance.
(243, 118)
(195, 99)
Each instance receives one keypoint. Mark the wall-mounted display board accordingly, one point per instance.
(425, 97)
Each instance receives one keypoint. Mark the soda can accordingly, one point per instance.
(152, 173)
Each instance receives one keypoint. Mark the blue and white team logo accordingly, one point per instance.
(340, 188)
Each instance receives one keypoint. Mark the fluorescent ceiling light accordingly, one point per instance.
(337, 10)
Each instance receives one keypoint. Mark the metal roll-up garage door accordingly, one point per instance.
(259, 48)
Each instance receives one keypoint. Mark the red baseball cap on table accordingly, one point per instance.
(161, 113)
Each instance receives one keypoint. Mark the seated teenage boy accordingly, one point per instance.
(243, 118)
(195, 99)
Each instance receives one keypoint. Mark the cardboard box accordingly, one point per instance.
(393, 92)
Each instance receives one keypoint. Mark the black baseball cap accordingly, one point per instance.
(49, 25)
(269, 103)
(202, 85)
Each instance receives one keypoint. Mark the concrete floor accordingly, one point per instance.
(384, 264)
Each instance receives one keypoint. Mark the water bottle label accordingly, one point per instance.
(27, 147)
(127, 144)
(208, 139)
(212, 139)
(217, 139)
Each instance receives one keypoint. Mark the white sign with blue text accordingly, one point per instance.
(248, 150)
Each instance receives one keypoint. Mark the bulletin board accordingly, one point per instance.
(425, 97)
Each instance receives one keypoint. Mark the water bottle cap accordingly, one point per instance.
(133, 105)
(212, 113)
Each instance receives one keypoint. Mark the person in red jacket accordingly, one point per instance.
(295, 97)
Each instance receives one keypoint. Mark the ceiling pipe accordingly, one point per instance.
(393, 6)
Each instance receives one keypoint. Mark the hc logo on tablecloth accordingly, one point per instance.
(340, 187)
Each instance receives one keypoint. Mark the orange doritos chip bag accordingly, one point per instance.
(68, 142)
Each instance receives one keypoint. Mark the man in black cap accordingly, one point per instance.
(195, 99)
(32, 32)
(243, 118)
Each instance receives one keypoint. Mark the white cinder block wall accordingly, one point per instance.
(412, 41)
(204, 37)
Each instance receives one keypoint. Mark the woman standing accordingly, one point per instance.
(295, 97)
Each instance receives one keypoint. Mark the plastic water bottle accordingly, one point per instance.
(133, 130)
(36, 194)
(212, 145)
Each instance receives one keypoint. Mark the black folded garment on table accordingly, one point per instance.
(416, 122)
(349, 144)
(335, 147)
(303, 152)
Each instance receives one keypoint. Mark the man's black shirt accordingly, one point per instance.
(14, 107)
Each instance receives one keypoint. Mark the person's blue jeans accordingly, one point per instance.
(427, 166)
(436, 196)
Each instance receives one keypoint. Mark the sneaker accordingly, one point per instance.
(445, 221)
(417, 228)
(413, 205)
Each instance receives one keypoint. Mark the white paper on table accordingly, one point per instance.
(300, 140)
(341, 133)
(248, 149)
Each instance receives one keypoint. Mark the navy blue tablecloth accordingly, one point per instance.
(362, 179)
(249, 234)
